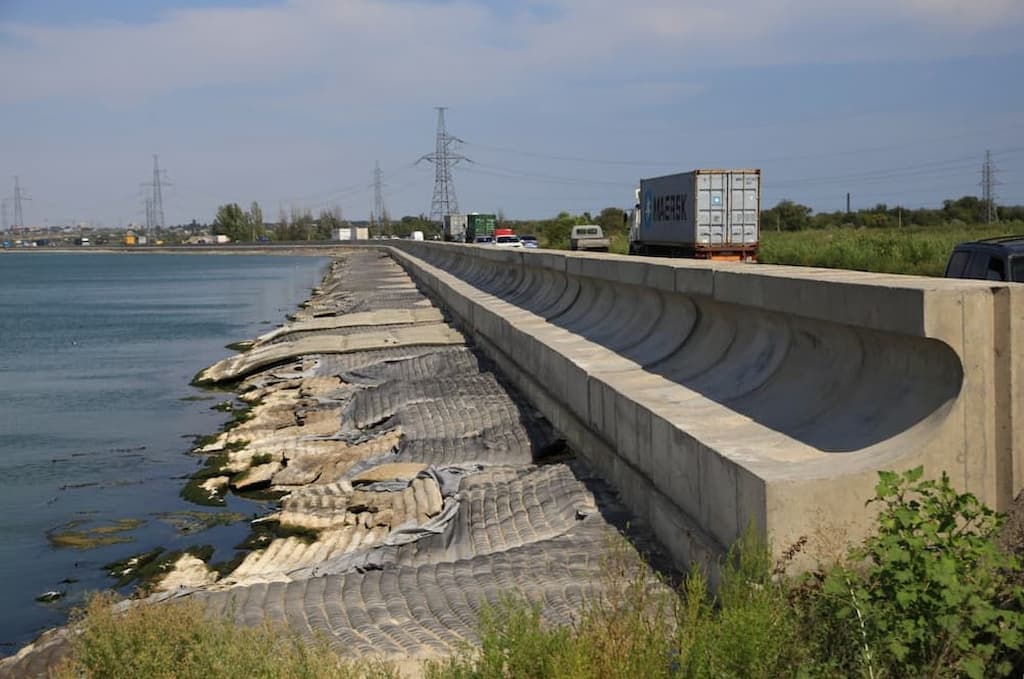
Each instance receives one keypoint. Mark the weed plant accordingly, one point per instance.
(928, 595)
(180, 641)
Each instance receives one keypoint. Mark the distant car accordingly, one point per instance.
(508, 242)
(529, 241)
(486, 240)
(991, 259)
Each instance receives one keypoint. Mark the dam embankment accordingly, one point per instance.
(718, 395)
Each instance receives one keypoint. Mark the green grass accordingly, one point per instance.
(920, 251)
(928, 595)
(145, 641)
(643, 628)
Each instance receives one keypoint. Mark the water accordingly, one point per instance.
(96, 413)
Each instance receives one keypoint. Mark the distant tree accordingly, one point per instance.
(554, 233)
(232, 222)
(256, 225)
(327, 223)
(303, 226)
(786, 216)
(967, 209)
(611, 221)
(282, 230)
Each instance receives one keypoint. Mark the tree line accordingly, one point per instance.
(787, 215)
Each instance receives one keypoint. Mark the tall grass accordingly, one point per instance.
(643, 628)
(920, 251)
(930, 595)
(180, 641)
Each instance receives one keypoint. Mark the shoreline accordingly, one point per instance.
(413, 479)
(321, 249)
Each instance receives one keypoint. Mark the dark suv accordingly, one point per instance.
(993, 259)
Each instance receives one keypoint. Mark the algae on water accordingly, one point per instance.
(70, 535)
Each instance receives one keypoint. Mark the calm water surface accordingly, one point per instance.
(96, 413)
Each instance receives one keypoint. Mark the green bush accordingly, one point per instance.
(930, 594)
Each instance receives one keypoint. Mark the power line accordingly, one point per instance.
(676, 162)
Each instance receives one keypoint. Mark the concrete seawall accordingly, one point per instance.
(717, 395)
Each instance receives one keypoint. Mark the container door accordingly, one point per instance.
(744, 206)
(711, 209)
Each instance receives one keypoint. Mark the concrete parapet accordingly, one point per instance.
(718, 395)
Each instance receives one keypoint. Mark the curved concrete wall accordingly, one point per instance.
(714, 395)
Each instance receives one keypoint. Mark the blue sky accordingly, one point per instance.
(562, 104)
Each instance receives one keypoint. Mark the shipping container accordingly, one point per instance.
(351, 233)
(480, 225)
(455, 228)
(710, 214)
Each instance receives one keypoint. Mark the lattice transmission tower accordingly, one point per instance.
(379, 214)
(158, 196)
(444, 158)
(19, 216)
(988, 189)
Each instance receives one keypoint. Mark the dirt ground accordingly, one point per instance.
(1012, 537)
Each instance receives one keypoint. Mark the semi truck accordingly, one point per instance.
(704, 214)
(454, 228)
(478, 224)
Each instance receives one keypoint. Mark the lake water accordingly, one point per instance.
(97, 417)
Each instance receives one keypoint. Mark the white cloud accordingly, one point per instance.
(411, 50)
(966, 15)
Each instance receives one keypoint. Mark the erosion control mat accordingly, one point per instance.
(415, 486)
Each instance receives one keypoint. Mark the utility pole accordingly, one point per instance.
(847, 202)
(444, 159)
(378, 199)
(988, 184)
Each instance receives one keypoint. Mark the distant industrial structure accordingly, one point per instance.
(444, 158)
(988, 189)
(19, 216)
(380, 215)
(154, 198)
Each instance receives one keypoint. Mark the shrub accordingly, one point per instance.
(929, 595)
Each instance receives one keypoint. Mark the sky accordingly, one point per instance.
(560, 105)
